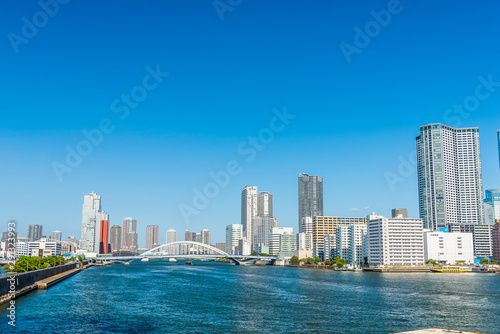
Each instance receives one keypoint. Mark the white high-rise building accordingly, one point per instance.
(394, 241)
(306, 225)
(90, 232)
(304, 241)
(450, 179)
(356, 235)
(57, 235)
(481, 236)
(248, 209)
(342, 242)
(234, 233)
(205, 237)
(172, 237)
(330, 246)
(448, 248)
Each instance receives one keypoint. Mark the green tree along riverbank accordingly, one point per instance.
(30, 263)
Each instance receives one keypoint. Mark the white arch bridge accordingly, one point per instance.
(187, 250)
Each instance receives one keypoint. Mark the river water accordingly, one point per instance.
(211, 298)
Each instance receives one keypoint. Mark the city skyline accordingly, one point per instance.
(215, 98)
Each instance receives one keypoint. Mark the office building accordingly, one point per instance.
(450, 179)
(394, 241)
(115, 238)
(234, 233)
(448, 248)
(104, 245)
(92, 215)
(282, 242)
(57, 235)
(322, 225)
(492, 206)
(399, 213)
(481, 236)
(310, 197)
(129, 240)
(495, 240)
(152, 236)
(22, 249)
(35, 232)
(44, 247)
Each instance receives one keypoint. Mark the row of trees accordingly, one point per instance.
(29, 263)
(338, 262)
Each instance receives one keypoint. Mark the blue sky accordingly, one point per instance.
(354, 121)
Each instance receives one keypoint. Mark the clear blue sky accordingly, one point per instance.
(353, 121)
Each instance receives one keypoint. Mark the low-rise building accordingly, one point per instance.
(44, 247)
(448, 248)
(329, 246)
(481, 234)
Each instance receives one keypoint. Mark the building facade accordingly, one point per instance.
(248, 209)
(104, 245)
(495, 240)
(90, 230)
(398, 212)
(310, 197)
(449, 248)
(356, 241)
(450, 179)
(152, 236)
(322, 225)
(129, 240)
(234, 233)
(394, 241)
(115, 238)
(492, 206)
(481, 235)
(57, 235)
(35, 232)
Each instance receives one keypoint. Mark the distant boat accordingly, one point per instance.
(451, 270)
(172, 260)
(189, 263)
(145, 260)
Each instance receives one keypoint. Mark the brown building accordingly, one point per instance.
(322, 225)
(495, 238)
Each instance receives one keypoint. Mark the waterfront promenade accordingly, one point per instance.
(221, 298)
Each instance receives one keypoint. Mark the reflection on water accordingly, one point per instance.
(163, 297)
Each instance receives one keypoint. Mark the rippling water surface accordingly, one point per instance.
(208, 298)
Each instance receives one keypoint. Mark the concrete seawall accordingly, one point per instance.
(37, 280)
